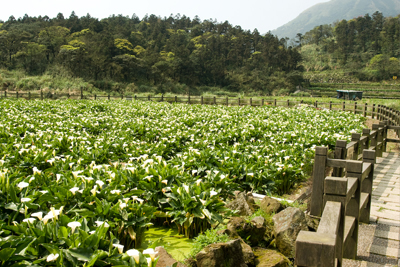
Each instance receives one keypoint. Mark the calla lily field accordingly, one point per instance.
(81, 181)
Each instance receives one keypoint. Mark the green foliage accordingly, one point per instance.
(207, 238)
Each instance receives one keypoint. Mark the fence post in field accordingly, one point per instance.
(227, 101)
(365, 110)
(251, 102)
(162, 98)
(189, 99)
(176, 99)
(288, 103)
(330, 105)
(262, 102)
(373, 110)
(340, 153)
(148, 97)
(95, 96)
(239, 102)
(5, 94)
(29, 95)
(321, 155)
(316, 104)
(135, 97)
(202, 100)
(301, 102)
(344, 106)
(17, 95)
(122, 96)
(81, 92)
(378, 115)
(355, 107)
(275, 102)
(215, 101)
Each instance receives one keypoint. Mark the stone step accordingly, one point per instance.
(354, 263)
(393, 235)
(385, 251)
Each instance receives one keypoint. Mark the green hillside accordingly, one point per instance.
(329, 12)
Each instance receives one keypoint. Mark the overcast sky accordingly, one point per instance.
(264, 15)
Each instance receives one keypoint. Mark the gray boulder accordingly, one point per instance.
(227, 254)
(243, 203)
(287, 225)
(270, 258)
(270, 205)
(165, 259)
(253, 231)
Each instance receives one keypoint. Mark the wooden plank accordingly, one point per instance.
(351, 144)
(352, 184)
(349, 225)
(392, 140)
(364, 200)
(335, 186)
(336, 163)
(330, 219)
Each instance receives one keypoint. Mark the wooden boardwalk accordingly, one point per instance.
(379, 241)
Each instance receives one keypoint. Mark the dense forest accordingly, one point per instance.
(170, 54)
(177, 54)
(365, 48)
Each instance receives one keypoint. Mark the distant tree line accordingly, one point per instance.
(164, 53)
(368, 46)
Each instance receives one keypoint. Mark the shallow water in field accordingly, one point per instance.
(177, 245)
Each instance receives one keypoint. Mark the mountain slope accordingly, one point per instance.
(327, 13)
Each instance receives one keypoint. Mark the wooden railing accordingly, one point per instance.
(343, 199)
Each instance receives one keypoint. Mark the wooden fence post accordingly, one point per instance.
(288, 103)
(316, 104)
(373, 110)
(251, 102)
(189, 99)
(17, 95)
(356, 138)
(81, 92)
(365, 110)
(365, 145)
(239, 101)
(5, 94)
(340, 153)
(135, 97)
(122, 96)
(202, 100)
(369, 156)
(321, 155)
(262, 102)
(108, 96)
(215, 101)
(344, 106)
(227, 101)
(29, 95)
(353, 169)
(95, 96)
(176, 99)
(162, 98)
(330, 105)
(355, 107)
(148, 98)
(41, 94)
(384, 124)
(275, 102)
